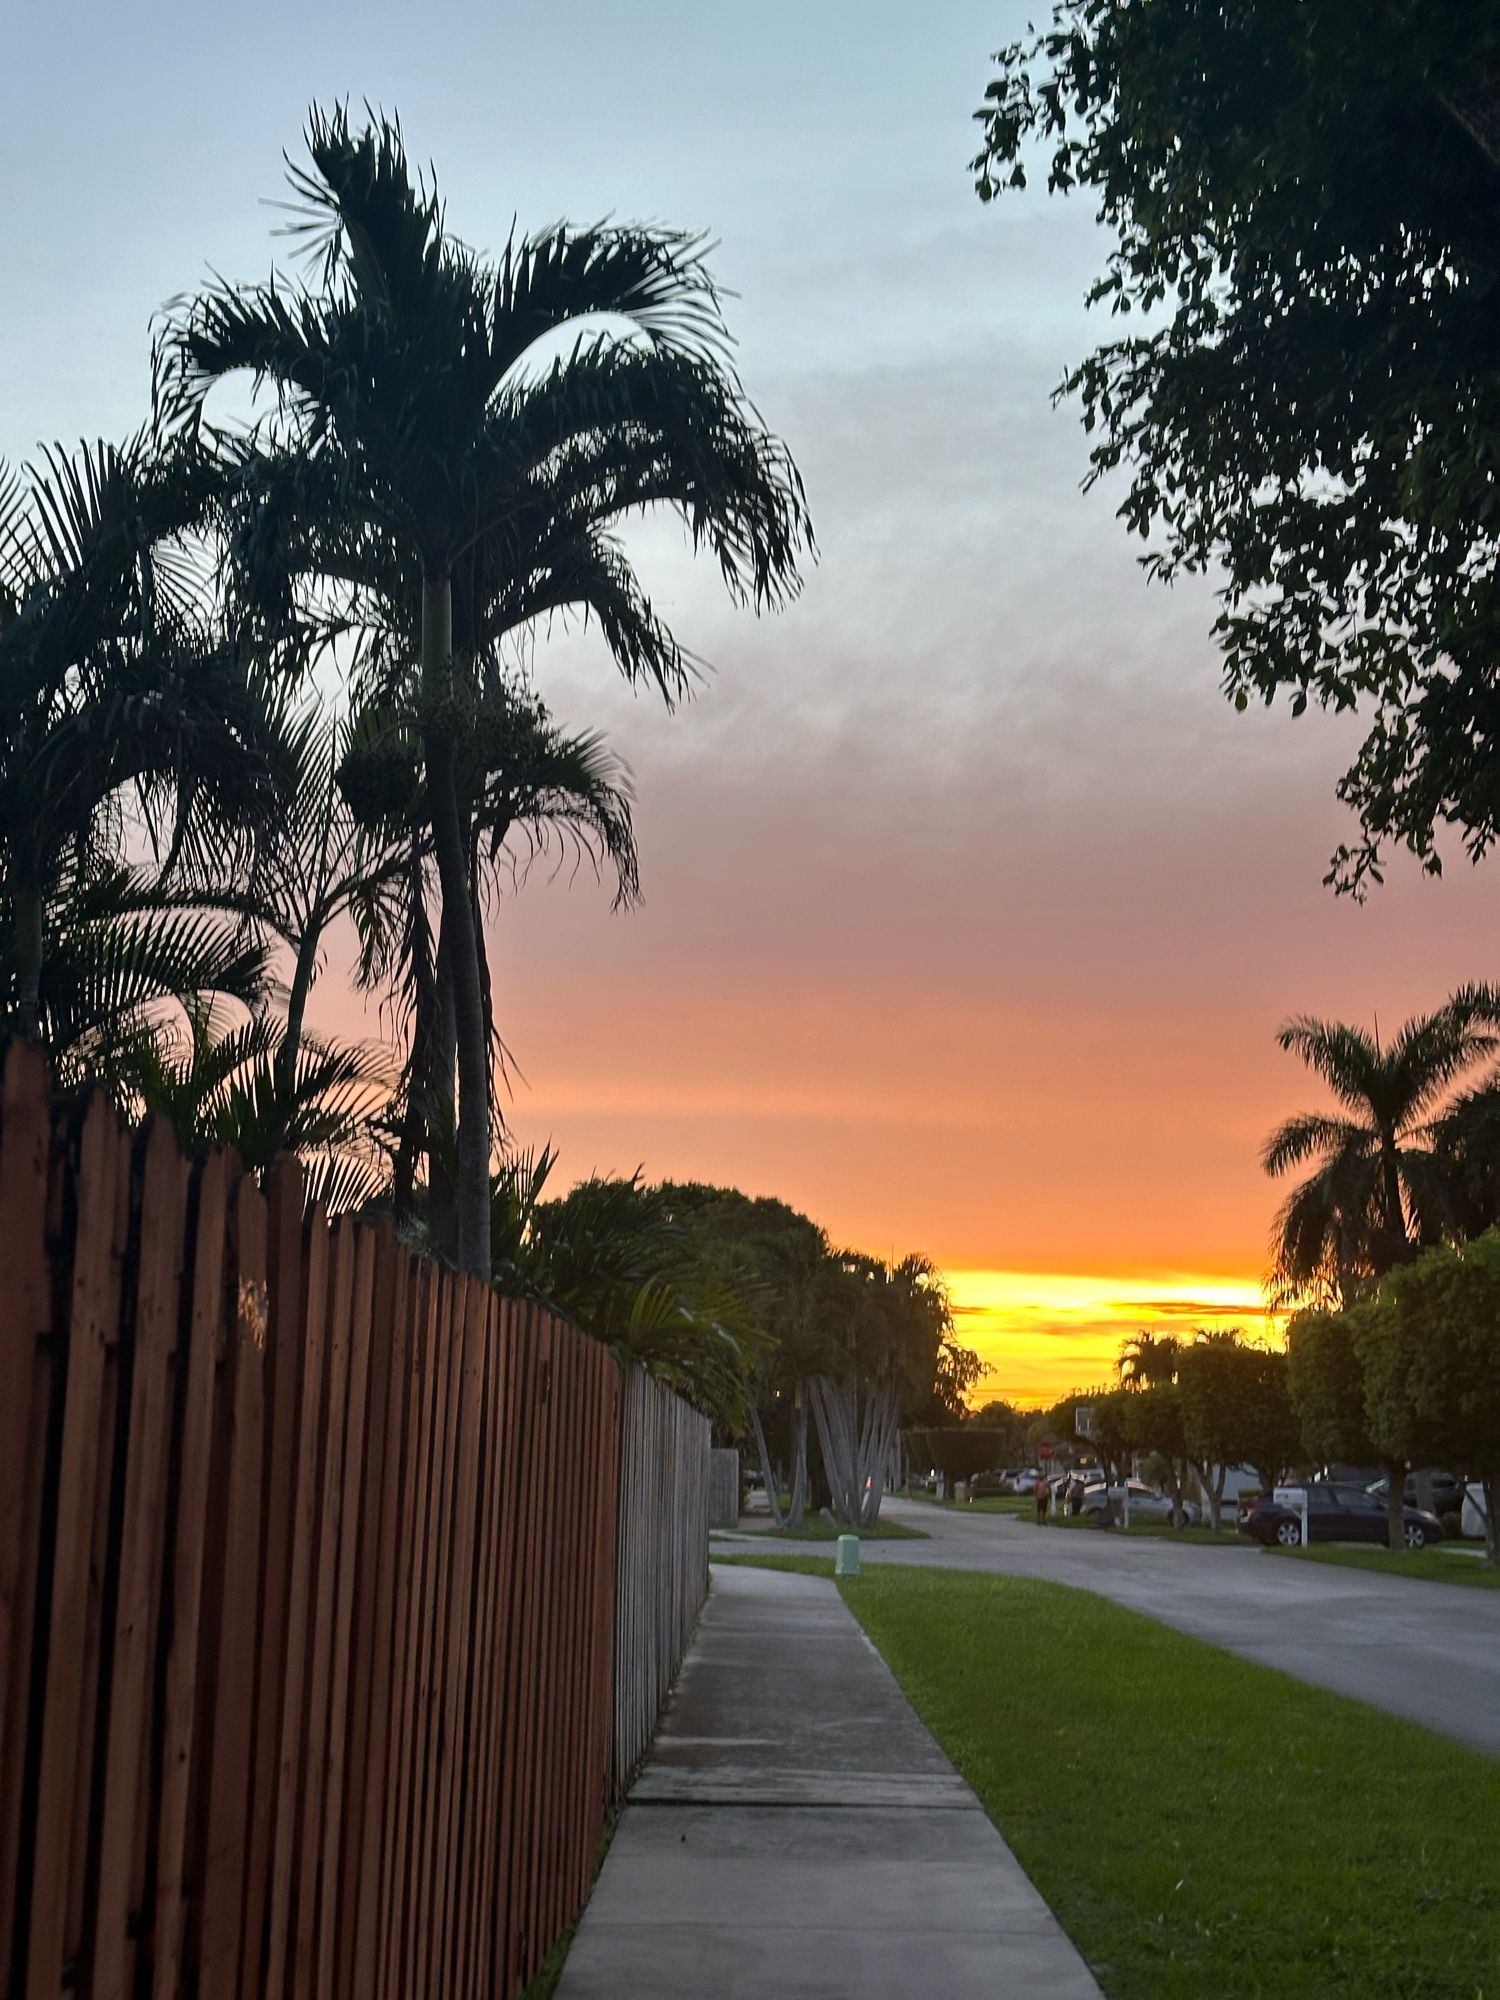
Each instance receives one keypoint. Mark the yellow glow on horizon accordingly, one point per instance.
(1042, 1333)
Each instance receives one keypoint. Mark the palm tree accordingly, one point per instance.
(124, 955)
(1149, 1359)
(528, 791)
(410, 391)
(126, 709)
(1378, 1191)
(222, 1084)
(614, 1256)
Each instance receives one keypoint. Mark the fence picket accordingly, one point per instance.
(143, 1506)
(279, 1486)
(231, 1763)
(205, 1348)
(93, 1318)
(25, 1323)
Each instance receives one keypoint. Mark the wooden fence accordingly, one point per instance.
(723, 1488)
(662, 1559)
(307, 1587)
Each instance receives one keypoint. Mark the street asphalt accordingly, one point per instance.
(1429, 1651)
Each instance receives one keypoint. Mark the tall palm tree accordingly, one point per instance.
(1378, 1191)
(409, 387)
(528, 790)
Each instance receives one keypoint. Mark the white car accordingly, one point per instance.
(1145, 1505)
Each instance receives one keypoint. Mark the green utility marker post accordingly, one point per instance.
(846, 1557)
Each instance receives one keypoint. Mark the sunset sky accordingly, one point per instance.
(971, 907)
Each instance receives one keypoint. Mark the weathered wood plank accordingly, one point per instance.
(377, 1636)
(281, 1471)
(345, 1667)
(231, 1763)
(25, 1325)
(100, 1160)
(320, 1671)
(206, 1348)
(411, 1573)
(286, 1852)
(132, 1659)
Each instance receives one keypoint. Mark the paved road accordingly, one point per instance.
(1430, 1651)
(797, 1833)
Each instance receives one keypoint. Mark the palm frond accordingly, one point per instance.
(1312, 1133)
(1345, 1057)
(657, 279)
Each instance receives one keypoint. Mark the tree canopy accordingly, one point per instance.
(1429, 1348)
(1304, 392)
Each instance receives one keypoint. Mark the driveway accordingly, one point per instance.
(1429, 1651)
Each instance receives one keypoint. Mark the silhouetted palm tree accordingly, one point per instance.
(412, 396)
(529, 792)
(127, 711)
(227, 1084)
(1377, 1192)
(1149, 1359)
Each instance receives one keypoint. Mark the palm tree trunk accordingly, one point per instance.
(1395, 1213)
(28, 947)
(442, 1100)
(767, 1470)
(474, 1082)
(798, 1498)
(296, 1008)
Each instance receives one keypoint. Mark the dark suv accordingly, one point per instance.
(1335, 1514)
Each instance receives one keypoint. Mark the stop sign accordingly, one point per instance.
(1045, 1450)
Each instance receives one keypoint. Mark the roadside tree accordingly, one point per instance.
(1153, 1420)
(1236, 1411)
(1305, 390)
(1326, 1377)
(1430, 1349)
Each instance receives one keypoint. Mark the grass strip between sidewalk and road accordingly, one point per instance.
(1439, 1562)
(1204, 1828)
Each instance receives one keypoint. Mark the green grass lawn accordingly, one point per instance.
(1162, 1530)
(1024, 1509)
(1205, 1829)
(1440, 1562)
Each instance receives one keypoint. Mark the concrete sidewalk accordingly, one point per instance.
(797, 1832)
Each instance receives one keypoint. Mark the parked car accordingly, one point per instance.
(1447, 1491)
(1334, 1514)
(1145, 1504)
(984, 1483)
(1024, 1482)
